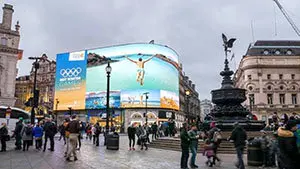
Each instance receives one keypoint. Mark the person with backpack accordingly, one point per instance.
(17, 133)
(38, 135)
(216, 138)
(50, 131)
(27, 135)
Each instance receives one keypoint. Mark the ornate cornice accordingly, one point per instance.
(6, 49)
(10, 32)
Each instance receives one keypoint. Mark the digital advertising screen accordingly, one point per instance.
(137, 70)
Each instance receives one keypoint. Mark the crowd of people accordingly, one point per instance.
(190, 135)
(280, 147)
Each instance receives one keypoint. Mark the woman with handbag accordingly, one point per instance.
(3, 136)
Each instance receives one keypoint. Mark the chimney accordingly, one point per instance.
(7, 16)
(190, 83)
(193, 86)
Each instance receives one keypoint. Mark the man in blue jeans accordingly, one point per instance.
(194, 145)
(239, 137)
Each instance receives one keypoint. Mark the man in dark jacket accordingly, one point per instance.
(289, 155)
(50, 130)
(131, 136)
(17, 133)
(185, 144)
(74, 128)
(3, 136)
(154, 130)
(239, 137)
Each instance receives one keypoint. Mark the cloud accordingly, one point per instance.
(193, 28)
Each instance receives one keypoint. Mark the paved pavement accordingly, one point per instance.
(91, 157)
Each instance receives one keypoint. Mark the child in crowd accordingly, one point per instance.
(208, 152)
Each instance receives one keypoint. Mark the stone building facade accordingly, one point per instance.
(270, 72)
(188, 97)
(45, 85)
(206, 107)
(23, 91)
(9, 56)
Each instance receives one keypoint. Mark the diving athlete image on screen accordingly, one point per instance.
(136, 68)
(140, 63)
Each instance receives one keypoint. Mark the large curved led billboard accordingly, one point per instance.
(137, 69)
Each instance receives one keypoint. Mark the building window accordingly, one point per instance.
(268, 76)
(4, 41)
(269, 87)
(249, 77)
(293, 76)
(270, 98)
(280, 76)
(281, 87)
(251, 99)
(282, 98)
(294, 98)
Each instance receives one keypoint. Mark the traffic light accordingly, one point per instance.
(36, 98)
(29, 102)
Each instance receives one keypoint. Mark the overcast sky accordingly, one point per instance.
(191, 27)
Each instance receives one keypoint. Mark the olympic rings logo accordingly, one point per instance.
(74, 72)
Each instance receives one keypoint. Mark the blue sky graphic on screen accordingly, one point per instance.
(136, 69)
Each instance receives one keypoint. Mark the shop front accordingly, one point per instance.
(94, 116)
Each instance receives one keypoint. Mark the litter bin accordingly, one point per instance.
(255, 154)
(112, 141)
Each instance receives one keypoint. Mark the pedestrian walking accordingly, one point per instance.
(208, 152)
(74, 128)
(289, 155)
(80, 134)
(154, 128)
(88, 131)
(216, 138)
(144, 137)
(193, 135)
(274, 151)
(17, 134)
(67, 135)
(27, 135)
(3, 136)
(131, 136)
(239, 137)
(97, 133)
(62, 132)
(185, 144)
(50, 131)
(38, 136)
(265, 147)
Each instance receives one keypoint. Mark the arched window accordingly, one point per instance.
(4, 41)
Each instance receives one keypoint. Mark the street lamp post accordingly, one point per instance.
(35, 95)
(187, 94)
(108, 71)
(56, 107)
(70, 111)
(146, 109)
